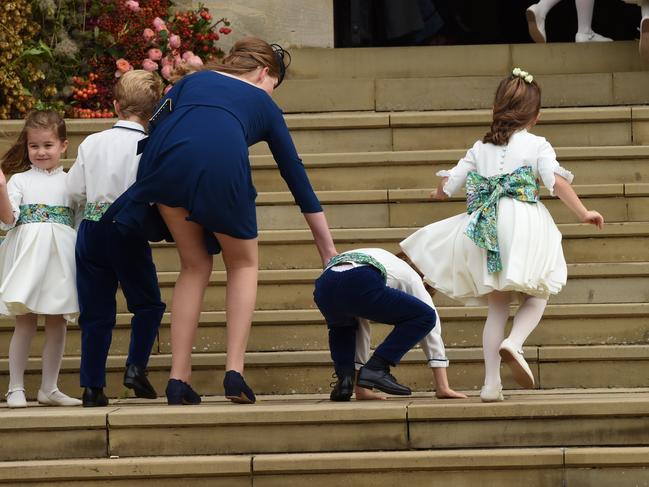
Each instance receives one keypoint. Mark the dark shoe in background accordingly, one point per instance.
(343, 388)
(94, 397)
(136, 378)
(181, 393)
(236, 389)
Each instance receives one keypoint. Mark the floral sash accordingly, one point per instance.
(482, 204)
(95, 210)
(358, 258)
(40, 213)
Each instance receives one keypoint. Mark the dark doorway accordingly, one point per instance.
(365, 23)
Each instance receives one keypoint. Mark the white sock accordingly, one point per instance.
(526, 319)
(55, 328)
(493, 335)
(544, 6)
(19, 350)
(585, 16)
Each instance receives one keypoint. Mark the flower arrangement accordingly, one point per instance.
(17, 71)
(524, 75)
(83, 46)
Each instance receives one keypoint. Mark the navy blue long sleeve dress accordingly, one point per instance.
(197, 158)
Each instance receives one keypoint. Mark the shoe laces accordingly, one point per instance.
(335, 382)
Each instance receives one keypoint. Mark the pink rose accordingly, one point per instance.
(166, 72)
(159, 24)
(155, 54)
(149, 65)
(187, 55)
(148, 34)
(123, 65)
(133, 5)
(174, 41)
(167, 61)
(195, 62)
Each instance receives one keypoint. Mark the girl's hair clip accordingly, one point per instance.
(524, 75)
(283, 59)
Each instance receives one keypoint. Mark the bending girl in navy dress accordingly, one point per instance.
(195, 167)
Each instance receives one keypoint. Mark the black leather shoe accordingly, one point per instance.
(343, 388)
(94, 397)
(236, 389)
(382, 380)
(179, 392)
(135, 378)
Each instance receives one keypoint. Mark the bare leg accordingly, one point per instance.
(195, 271)
(241, 264)
(19, 349)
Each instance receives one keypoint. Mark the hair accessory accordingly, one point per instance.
(524, 75)
(281, 55)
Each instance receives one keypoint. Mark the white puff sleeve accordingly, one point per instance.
(15, 191)
(548, 166)
(457, 175)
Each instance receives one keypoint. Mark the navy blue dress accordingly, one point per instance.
(197, 158)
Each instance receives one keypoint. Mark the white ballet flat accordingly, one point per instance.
(644, 38)
(492, 393)
(591, 37)
(535, 24)
(520, 369)
(57, 398)
(16, 398)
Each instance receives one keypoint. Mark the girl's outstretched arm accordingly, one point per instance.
(566, 193)
(6, 210)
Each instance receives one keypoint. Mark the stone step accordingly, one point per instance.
(626, 282)
(416, 169)
(450, 61)
(308, 372)
(294, 249)
(304, 330)
(312, 424)
(570, 467)
(418, 130)
(415, 207)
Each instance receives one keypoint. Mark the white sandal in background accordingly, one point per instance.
(535, 24)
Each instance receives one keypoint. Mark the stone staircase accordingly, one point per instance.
(373, 126)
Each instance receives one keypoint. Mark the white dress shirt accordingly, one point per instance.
(106, 164)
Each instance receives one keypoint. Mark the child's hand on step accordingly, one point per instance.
(594, 218)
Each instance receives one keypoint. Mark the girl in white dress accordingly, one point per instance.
(507, 243)
(37, 269)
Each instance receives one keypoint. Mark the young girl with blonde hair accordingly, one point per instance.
(506, 243)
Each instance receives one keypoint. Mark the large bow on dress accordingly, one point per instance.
(482, 204)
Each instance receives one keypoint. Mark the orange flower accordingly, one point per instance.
(123, 65)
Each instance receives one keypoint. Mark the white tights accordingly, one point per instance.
(584, 13)
(525, 321)
(55, 328)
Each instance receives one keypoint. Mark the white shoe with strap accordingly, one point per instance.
(514, 358)
(16, 398)
(591, 37)
(57, 398)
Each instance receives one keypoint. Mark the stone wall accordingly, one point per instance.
(291, 23)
